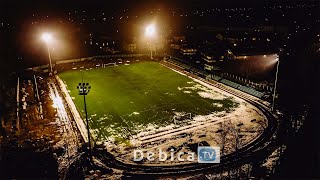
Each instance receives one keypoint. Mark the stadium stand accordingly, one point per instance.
(230, 83)
(245, 89)
(207, 75)
(217, 78)
(251, 91)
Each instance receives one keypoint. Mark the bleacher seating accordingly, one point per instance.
(230, 83)
(216, 78)
(245, 89)
(227, 82)
(251, 91)
(185, 66)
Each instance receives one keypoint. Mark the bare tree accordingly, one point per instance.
(235, 134)
(222, 136)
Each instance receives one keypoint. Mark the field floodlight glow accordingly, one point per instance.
(150, 33)
(46, 37)
(150, 30)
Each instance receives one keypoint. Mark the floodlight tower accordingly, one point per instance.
(150, 33)
(275, 84)
(84, 89)
(47, 38)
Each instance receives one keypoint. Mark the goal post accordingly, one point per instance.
(108, 64)
(181, 117)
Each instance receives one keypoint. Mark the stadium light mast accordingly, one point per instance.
(150, 33)
(47, 38)
(84, 89)
(275, 84)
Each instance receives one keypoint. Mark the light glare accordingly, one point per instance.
(46, 37)
(150, 30)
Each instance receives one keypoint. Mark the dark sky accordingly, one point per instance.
(66, 4)
(17, 9)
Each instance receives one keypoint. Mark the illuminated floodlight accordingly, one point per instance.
(150, 30)
(46, 37)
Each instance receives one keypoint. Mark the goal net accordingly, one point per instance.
(108, 64)
(179, 118)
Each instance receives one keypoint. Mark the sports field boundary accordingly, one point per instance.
(136, 169)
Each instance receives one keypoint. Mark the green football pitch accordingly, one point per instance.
(128, 99)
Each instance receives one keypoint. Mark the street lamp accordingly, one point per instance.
(150, 33)
(275, 84)
(84, 89)
(47, 38)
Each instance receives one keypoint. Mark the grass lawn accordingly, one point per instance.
(131, 98)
